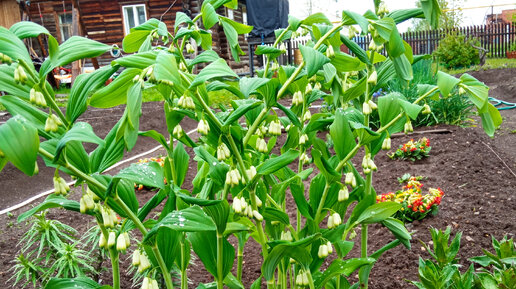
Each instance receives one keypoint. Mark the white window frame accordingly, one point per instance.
(61, 25)
(135, 16)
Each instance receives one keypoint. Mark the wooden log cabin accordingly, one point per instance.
(109, 21)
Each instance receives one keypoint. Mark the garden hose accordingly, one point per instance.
(501, 105)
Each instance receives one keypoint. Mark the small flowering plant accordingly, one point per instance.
(413, 150)
(416, 205)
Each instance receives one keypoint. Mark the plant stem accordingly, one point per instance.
(363, 244)
(113, 256)
(321, 203)
(265, 70)
(53, 105)
(184, 278)
(220, 262)
(163, 267)
(240, 261)
(310, 280)
(255, 125)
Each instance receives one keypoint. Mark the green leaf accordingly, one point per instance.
(134, 40)
(148, 174)
(204, 57)
(378, 212)
(205, 246)
(356, 49)
(52, 201)
(432, 12)
(181, 161)
(216, 69)
(324, 166)
(218, 85)
(273, 164)
(84, 85)
(295, 250)
(166, 68)
(209, 16)
(108, 154)
(403, 67)
(344, 62)
(230, 280)
(388, 108)
(341, 134)
(478, 92)
(412, 110)
(354, 91)
(316, 18)
(137, 60)
(20, 144)
(219, 213)
(191, 219)
(446, 83)
(398, 230)
(13, 47)
(313, 58)
(350, 18)
(27, 29)
(491, 119)
(75, 48)
(273, 214)
(53, 49)
(180, 19)
(81, 131)
(78, 283)
(116, 92)
(402, 15)
(232, 29)
(341, 267)
(271, 51)
(249, 85)
(241, 110)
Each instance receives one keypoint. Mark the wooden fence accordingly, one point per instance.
(495, 38)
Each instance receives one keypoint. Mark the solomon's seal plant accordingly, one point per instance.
(240, 153)
(412, 150)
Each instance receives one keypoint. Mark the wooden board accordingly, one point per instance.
(9, 13)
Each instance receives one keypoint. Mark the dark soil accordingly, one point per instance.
(474, 171)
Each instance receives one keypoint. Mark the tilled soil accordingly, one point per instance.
(474, 171)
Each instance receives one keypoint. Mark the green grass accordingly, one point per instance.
(491, 63)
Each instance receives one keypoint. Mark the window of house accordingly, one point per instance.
(65, 26)
(134, 15)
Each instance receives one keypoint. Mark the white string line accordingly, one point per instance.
(48, 192)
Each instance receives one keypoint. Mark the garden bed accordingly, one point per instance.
(479, 192)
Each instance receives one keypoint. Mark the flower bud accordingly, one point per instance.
(286, 236)
(144, 263)
(299, 279)
(120, 243)
(136, 257)
(329, 246)
(426, 109)
(351, 32)
(317, 86)
(352, 235)
(102, 241)
(307, 116)
(304, 158)
(146, 283)
(189, 48)
(330, 222)
(274, 66)
(203, 127)
(257, 216)
(50, 125)
(372, 165)
(308, 89)
(386, 145)
(408, 127)
(323, 251)
(32, 95)
(261, 145)
(283, 47)
(111, 239)
(136, 78)
(372, 78)
(154, 284)
(182, 66)
(372, 105)
(372, 46)
(275, 223)
(336, 219)
(305, 279)
(366, 108)
(127, 239)
(82, 206)
(347, 181)
(330, 53)
(303, 139)
(258, 201)
(249, 212)
(462, 90)
(40, 99)
(88, 201)
(178, 131)
(236, 205)
(343, 194)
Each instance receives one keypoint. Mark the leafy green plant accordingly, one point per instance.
(415, 204)
(456, 50)
(49, 249)
(241, 181)
(413, 150)
(497, 271)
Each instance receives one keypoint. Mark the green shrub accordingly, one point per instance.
(456, 50)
